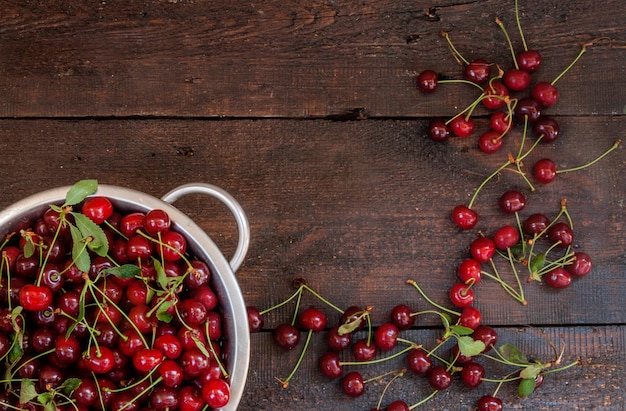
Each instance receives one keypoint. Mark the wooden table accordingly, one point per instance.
(308, 114)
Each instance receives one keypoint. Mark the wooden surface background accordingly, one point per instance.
(307, 113)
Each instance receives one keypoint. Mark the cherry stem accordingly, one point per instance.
(480, 187)
(517, 279)
(294, 295)
(582, 51)
(519, 26)
(423, 401)
(213, 353)
(431, 302)
(457, 56)
(565, 367)
(285, 382)
(613, 147)
(508, 40)
(395, 377)
(463, 81)
(382, 359)
(324, 300)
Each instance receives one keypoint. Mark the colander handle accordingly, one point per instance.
(233, 206)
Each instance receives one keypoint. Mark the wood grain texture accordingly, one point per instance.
(287, 59)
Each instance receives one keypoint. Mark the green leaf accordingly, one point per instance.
(201, 346)
(80, 256)
(461, 330)
(526, 387)
(98, 240)
(28, 391)
(470, 347)
(531, 371)
(123, 271)
(445, 320)
(537, 263)
(79, 191)
(513, 354)
(161, 276)
(162, 313)
(69, 385)
(16, 348)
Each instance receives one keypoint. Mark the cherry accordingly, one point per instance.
(67, 350)
(461, 295)
(545, 94)
(472, 374)
(427, 81)
(581, 266)
(194, 362)
(173, 247)
(330, 365)
(190, 399)
(547, 128)
(469, 271)
(352, 314)
(438, 130)
(192, 312)
(506, 237)
(98, 209)
(470, 317)
(165, 398)
(516, 79)
(171, 373)
(487, 335)
(535, 224)
(528, 108)
(156, 221)
(364, 351)
(386, 336)
(42, 339)
(490, 142)
(544, 171)
(312, 319)
(147, 359)
(458, 357)
(35, 297)
(352, 384)
(439, 378)
(401, 316)
(130, 223)
(500, 122)
(199, 275)
(464, 217)
(208, 298)
(397, 405)
(337, 342)
(255, 319)
(561, 233)
(477, 71)
(489, 403)
(511, 202)
(493, 96)
(99, 360)
(462, 126)
(482, 249)
(50, 377)
(86, 393)
(419, 362)
(286, 336)
(558, 278)
(529, 60)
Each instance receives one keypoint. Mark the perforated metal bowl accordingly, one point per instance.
(237, 337)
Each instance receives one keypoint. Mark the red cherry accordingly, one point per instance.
(427, 81)
(35, 298)
(386, 336)
(174, 246)
(581, 266)
(439, 378)
(506, 237)
(545, 94)
(99, 360)
(438, 130)
(470, 318)
(528, 108)
(401, 316)
(487, 335)
(482, 249)
(517, 80)
(562, 234)
(461, 295)
(330, 365)
(535, 224)
(493, 96)
(477, 71)
(469, 271)
(464, 217)
(490, 141)
(98, 209)
(216, 393)
(548, 128)
(147, 359)
(512, 201)
(500, 122)
(352, 384)
(312, 319)
(419, 362)
(156, 221)
(529, 60)
(558, 278)
(472, 374)
(286, 336)
(461, 126)
(544, 171)
(489, 403)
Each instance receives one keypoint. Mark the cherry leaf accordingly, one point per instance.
(162, 313)
(98, 240)
(470, 347)
(513, 354)
(526, 387)
(461, 330)
(79, 191)
(161, 276)
(531, 371)
(27, 391)
(80, 256)
(537, 263)
(348, 327)
(16, 348)
(69, 385)
(200, 346)
(123, 271)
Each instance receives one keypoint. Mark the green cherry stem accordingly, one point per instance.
(457, 55)
(398, 374)
(285, 382)
(412, 346)
(431, 302)
(508, 40)
(424, 400)
(613, 147)
(519, 26)
(324, 300)
(294, 295)
(517, 279)
(462, 81)
(480, 187)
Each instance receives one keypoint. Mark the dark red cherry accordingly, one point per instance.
(482, 249)
(98, 209)
(528, 108)
(544, 171)
(401, 316)
(386, 336)
(330, 365)
(561, 233)
(312, 319)
(487, 335)
(352, 384)
(477, 71)
(506, 237)
(364, 351)
(255, 319)
(516, 79)
(397, 405)
(581, 266)
(547, 128)
(462, 126)
(439, 378)
(545, 94)
(337, 341)
(438, 130)
(286, 336)
(489, 403)
(512, 201)
(535, 224)
(490, 142)
(464, 217)
(419, 362)
(500, 121)
(494, 94)
(470, 317)
(156, 221)
(558, 278)
(529, 60)
(427, 81)
(472, 374)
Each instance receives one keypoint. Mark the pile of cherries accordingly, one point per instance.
(102, 309)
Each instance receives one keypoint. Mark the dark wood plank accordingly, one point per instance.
(285, 58)
(355, 207)
(594, 385)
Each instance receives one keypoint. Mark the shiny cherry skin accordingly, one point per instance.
(558, 278)
(464, 217)
(35, 297)
(312, 319)
(190, 399)
(156, 221)
(330, 365)
(352, 384)
(472, 374)
(286, 336)
(528, 108)
(482, 249)
(98, 209)
(506, 237)
(419, 362)
(438, 130)
(363, 351)
(337, 341)
(174, 246)
(386, 336)
(397, 405)
(545, 94)
(427, 81)
(130, 223)
(461, 126)
(489, 403)
(477, 71)
(469, 271)
(255, 319)
(487, 335)
(461, 295)
(544, 171)
(535, 224)
(511, 202)
(401, 316)
(500, 122)
(165, 398)
(561, 233)
(147, 359)
(548, 128)
(516, 79)
(581, 266)
(439, 378)
(490, 142)
(529, 60)
(494, 94)
(470, 317)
